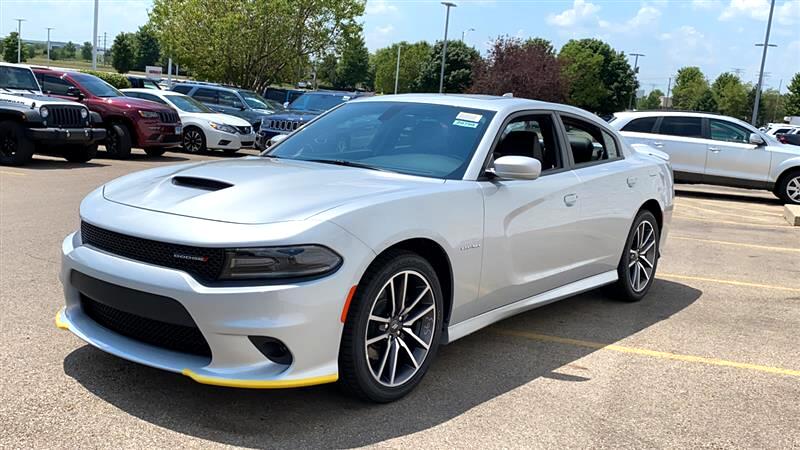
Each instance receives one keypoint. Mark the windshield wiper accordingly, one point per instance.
(343, 162)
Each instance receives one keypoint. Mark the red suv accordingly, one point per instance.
(130, 122)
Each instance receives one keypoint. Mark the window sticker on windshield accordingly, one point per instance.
(465, 124)
(469, 117)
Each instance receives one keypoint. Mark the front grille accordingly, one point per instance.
(180, 338)
(284, 125)
(65, 116)
(243, 130)
(203, 263)
(168, 117)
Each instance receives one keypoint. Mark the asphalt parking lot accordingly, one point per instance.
(709, 359)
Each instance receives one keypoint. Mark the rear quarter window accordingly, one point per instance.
(641, 125)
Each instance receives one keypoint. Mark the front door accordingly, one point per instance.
(732, 159)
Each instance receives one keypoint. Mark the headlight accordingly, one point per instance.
(222, 127)
(148, 114)
(44, 112)
(279, 262)
(84, 113)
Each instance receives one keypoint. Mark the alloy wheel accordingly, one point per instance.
(400, 328)
(192, 141)
(642, 256)
(793, 189)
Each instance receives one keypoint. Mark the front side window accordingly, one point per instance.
(722, 130)
(229, 99)
(532, 136)
(588, 142)
(256, 101)
(413, 138)
(642, 125)
(56, 86)
(682, 126)
(96, 86)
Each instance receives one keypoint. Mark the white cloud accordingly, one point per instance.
(647, 15)
(755, 9)
(384, 30)
(581, 12)
(788, 13)
(375, 7)
(687, 45)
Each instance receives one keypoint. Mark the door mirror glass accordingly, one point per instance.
(72, 91)
(275, 139)
(755, 139)
(517, 168)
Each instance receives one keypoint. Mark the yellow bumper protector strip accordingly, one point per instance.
(59, 321)
(260, 384)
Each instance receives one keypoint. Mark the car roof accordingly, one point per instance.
(151, 91)
(479, 101)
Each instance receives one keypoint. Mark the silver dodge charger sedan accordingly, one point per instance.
(357, 245)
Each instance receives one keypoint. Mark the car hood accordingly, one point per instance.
(29, 99)
(226, 119)
(135, 103)
(255, 190)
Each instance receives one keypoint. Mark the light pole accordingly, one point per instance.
(19, 39)
(763, 61)
(397, 70)
(635, 74)
(464, 33)
(94, 39)
(48, 44)
(447, 5)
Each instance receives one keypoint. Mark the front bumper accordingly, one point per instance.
(86, 136)
(154, 134)
(305, 316)
(220, 140)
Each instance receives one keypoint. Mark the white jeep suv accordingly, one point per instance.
(713, 149)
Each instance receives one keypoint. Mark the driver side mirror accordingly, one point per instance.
(72, 91)
(517, 168)
(755, 139)
(275, 139)
(285, 104)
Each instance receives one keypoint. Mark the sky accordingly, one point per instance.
(716, 35)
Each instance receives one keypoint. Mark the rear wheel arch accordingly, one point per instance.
(654, 207)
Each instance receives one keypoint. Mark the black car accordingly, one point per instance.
(237, 102)
(282, 95)
(786, 138)
(142, 82)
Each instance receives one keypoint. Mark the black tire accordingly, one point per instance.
(789, 181)
(230, 151)
(118, 141)
(15, 148)
(624, 288)
(194, 140)
(80, 153)
(355, 372)
(155, 151)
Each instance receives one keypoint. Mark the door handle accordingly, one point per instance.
(570, 199)
(632, 181)
(658, 144)
(714, 149)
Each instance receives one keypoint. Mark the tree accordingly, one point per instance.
(353, 68)
(774, 105)
(690, 85)
(652, 101)
(706, 102)
(600, 78)
(123, 54)
(10, 44)
(147, 50)
(86, 51)
(793, 96)
(326, 70)
(69, 50)
(55, 54)
(526, 69)
(751, 101)
(457, 68)
(731, 95)
(412, 59)
(542, 43)
(250, 43)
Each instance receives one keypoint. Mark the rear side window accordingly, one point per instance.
(183, 89)
(682, 126)
(642, 125)
(206, 95)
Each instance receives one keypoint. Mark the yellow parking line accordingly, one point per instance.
(5, 172)
(737, 244)
(730, 282)
(753, 207)
(723, 213)
(650, 353)
(730, 222)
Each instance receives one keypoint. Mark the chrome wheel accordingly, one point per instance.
(642, 256)
(192, 141)
(793, 189)
(400, 328)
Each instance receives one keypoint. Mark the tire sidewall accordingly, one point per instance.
(203, 145)
(629, 294)
(783, 192)
(123, 144)
(24, 146)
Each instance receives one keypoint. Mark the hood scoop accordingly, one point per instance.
(206, 184)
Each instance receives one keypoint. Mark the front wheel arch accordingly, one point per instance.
(794, 170)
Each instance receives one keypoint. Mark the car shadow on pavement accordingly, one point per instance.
(137, 156)
(729, 197)
(467, 373)
(57, 164)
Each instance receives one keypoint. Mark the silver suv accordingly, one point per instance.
(714, 149)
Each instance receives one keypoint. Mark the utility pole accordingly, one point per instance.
(105, 48)
(737, 71)
(48, 45)
(464, 33)
(635, 74)
(397, 70)
(667, 99)
(94, 43)
(19, 39)
(763, 61)
(447, 5)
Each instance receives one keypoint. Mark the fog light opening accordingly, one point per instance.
(273, 349)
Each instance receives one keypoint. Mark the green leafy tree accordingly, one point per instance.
(651, 101)
(148, 51)
(353, 68)
(122, 50)
(10, 48)
(86, 51)
(731, 95)
(69, 50)
(792, 100)
(326, 70)
(774, 104)
(412, 59)
(706, 102)
(30, 51)
(762, 110)
(542, 43)
(250, 43)
(690, 85)
(458, 65)
(55, 54)
(600, 78)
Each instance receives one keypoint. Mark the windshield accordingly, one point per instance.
(17, 78)
(256, 101)
(317, 102)
(188, 104)
(412, 138)
(96, 86)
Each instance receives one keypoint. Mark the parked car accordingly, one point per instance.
(300, 111)
(143, 83)
(282, 95)
(320, 261)
(129, 122)
(230, 100)
(714, 149)
(791, 138)
(203, 129)
(32, 123)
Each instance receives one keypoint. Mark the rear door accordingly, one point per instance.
(682, 138)
(732, 159)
